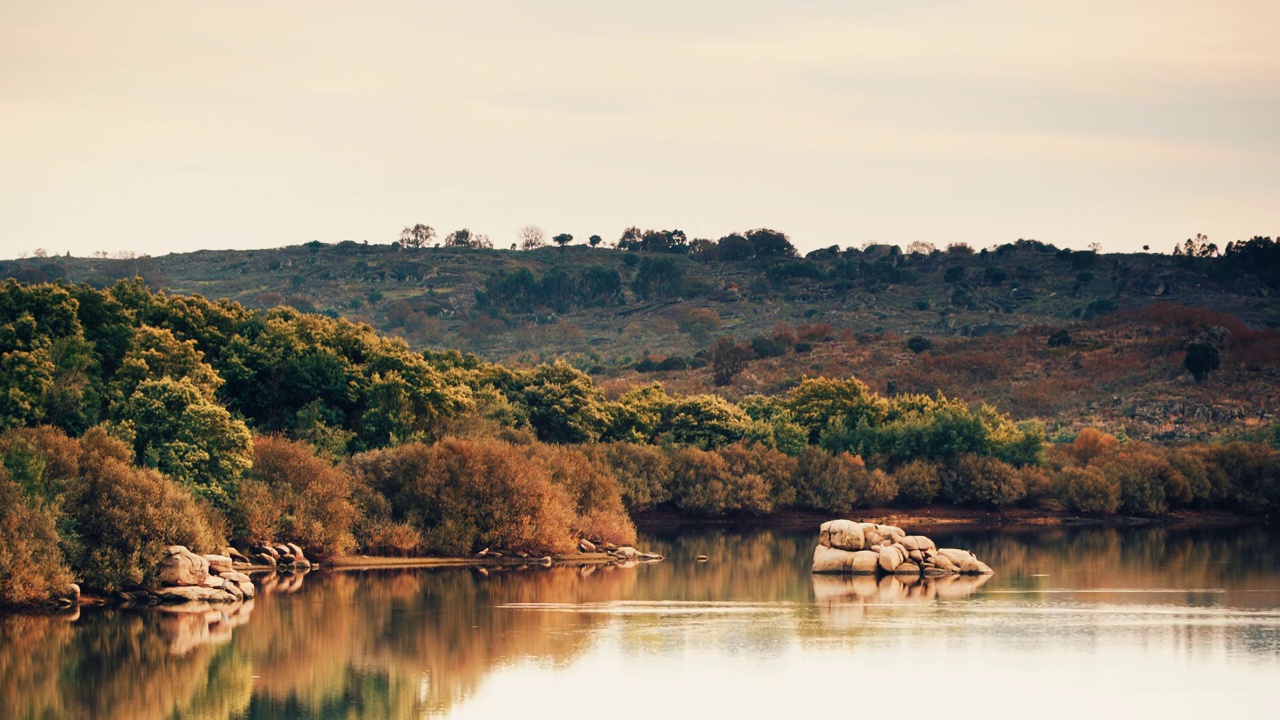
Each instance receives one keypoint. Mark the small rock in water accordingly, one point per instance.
(890, 551)
(702, 558)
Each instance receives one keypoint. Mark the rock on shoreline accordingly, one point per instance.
(850, 547)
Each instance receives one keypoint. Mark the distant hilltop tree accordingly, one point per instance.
(417, 236)
(1199, 246)
(562, 239)
(531, 237)
(464, 238)
(594, 240)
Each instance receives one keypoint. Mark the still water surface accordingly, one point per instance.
(1085, 622)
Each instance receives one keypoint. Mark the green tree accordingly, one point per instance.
(179, 431)
(562, 239)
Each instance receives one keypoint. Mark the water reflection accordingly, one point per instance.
(414, 643)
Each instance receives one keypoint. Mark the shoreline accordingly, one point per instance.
(660, 522)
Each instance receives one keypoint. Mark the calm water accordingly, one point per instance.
(1137, 623)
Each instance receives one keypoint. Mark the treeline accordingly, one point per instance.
(137, 419)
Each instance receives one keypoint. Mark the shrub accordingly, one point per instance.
(823, 481)
(765, 347)
(675, 362)
(918, 344)
(1088, 491)
(982, 481)
(595, 494)
(759, 465)
(1201, 359)
(815, 332)
(462, 495)
(642, 472)
(32, 566)
(1090, 445)
(291, 494)
(124, 517)
(918, 483)
(803, 347)
(705, 485)
(1061, 338)
(875, 488)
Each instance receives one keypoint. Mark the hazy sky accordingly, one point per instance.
(177, 125)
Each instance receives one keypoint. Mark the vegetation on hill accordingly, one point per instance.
(133, 419)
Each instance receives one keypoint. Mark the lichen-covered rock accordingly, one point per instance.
(218, 563)
(891, 532)
(890, 558)
(827, 559)
(842, 534)
(181, 567)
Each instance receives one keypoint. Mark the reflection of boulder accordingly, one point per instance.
(841, 546)
(831, 591)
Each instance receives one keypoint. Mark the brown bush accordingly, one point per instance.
(773, 469)
(823, 481)
(982, 481)
(1088, 490)
(1090, 445)
(125, 516)
(784, 333)
(292, 494)
(32, 566)
(642, 472)
(706, 485)
(595, 494)
(875, 488)
(918, 483)
(461, 495)
(815, 332)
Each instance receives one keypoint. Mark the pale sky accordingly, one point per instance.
(178, 125)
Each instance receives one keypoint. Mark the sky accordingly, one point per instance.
(177, 125)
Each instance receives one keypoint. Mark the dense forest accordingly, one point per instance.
(135, 419)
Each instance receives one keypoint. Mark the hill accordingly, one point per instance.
(1122, 321)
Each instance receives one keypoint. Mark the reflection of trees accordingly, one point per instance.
(409, 643)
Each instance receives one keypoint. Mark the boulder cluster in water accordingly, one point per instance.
(188, 577)
(846, 546)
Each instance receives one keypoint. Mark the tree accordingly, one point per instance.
(467, 239)
(594, 240)
(727, 359)
(770, 243)
(562, 239)
(184, 434)
(734, 247)
(1202, 359)
(531, 237)
(417, 236)
(1199, 246)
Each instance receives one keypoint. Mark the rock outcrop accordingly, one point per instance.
(187, 577)
(850, 547)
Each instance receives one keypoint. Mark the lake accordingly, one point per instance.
(1149, 622)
